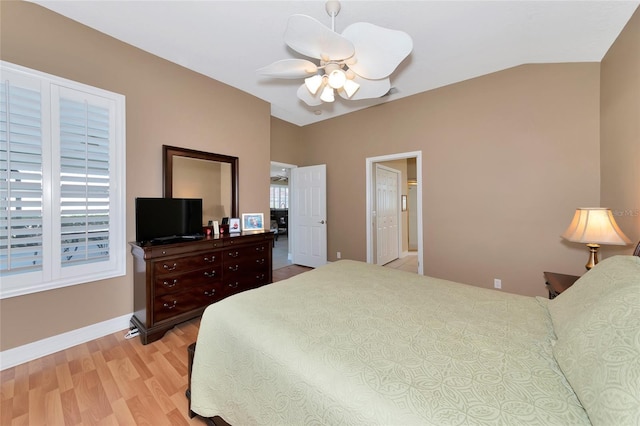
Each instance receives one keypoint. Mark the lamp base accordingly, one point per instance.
(593, 256)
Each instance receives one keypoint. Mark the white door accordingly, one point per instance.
(309, 215)
(387, 212)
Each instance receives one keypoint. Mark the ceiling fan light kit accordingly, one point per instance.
(313, 83)
(350, 87)
(356, 64)
(327, 94)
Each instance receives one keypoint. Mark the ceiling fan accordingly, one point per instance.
(279, 178)
(356, 64)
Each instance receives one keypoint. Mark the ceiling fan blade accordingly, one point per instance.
(379, 50)
(368, 89)
(307, 97)
(308, 36)
(290, 68)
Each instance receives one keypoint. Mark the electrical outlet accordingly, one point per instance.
(338, 255)
(497, 283)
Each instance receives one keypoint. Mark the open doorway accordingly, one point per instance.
(412, 211)
(279, 204)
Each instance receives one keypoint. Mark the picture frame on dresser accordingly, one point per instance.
(252, 222)
(234, 225)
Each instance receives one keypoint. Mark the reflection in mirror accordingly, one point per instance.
(209, 180)
(197, 174)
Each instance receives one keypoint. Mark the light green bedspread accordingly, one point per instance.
(352, 343)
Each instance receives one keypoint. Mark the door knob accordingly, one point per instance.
(321, 222)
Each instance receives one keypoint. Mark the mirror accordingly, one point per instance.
(197, 174)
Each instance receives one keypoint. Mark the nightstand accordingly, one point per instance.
(557, 283)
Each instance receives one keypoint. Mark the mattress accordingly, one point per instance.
(353, 343)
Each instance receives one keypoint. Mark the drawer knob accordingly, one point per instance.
(261, 248)
(170, 268)
(234, 268)
(170, 283)
(260, 277)
(234, 254)
(210, 274)
(210, 293)
(260, 261)
(210, 259)
(171, 306)
(233, 285)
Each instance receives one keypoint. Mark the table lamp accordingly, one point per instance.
(594, 226)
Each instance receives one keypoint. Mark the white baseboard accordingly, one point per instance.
(21, 354)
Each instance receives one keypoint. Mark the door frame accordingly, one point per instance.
(370, 170)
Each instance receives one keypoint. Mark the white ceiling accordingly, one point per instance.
(453, 40)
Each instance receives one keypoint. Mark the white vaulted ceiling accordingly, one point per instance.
(452, 40)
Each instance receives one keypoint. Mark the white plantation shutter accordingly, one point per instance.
(62, 199)
(84, 182)
(21, 184)
(279, 197)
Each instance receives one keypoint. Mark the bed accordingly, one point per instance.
(356, 344)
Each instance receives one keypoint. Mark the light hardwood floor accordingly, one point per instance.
(107, 381)
(409, 263)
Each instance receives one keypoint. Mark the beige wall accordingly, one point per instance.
(166, 104)
(620, 133)
(506, 160)
(286, 143)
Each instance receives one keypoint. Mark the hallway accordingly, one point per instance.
(281, 253)
(409, 263)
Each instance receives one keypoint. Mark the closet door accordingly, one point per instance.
(387, 214)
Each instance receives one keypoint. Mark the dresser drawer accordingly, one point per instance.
(180, 249)
(248, 239)
(186, 263)
(257, 263)
(170, 305)
(170, 283)
(256, 251)
(246, 279)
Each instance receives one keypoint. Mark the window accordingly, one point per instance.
(279, 197)
(62, 182)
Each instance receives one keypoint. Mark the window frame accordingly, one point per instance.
(52, 274)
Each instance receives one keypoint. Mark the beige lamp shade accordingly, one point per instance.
(595, 226)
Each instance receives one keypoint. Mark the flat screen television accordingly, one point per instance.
(165, 220)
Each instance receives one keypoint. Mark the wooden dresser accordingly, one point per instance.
(176, 282)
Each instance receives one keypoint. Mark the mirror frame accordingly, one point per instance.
(168, 152)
